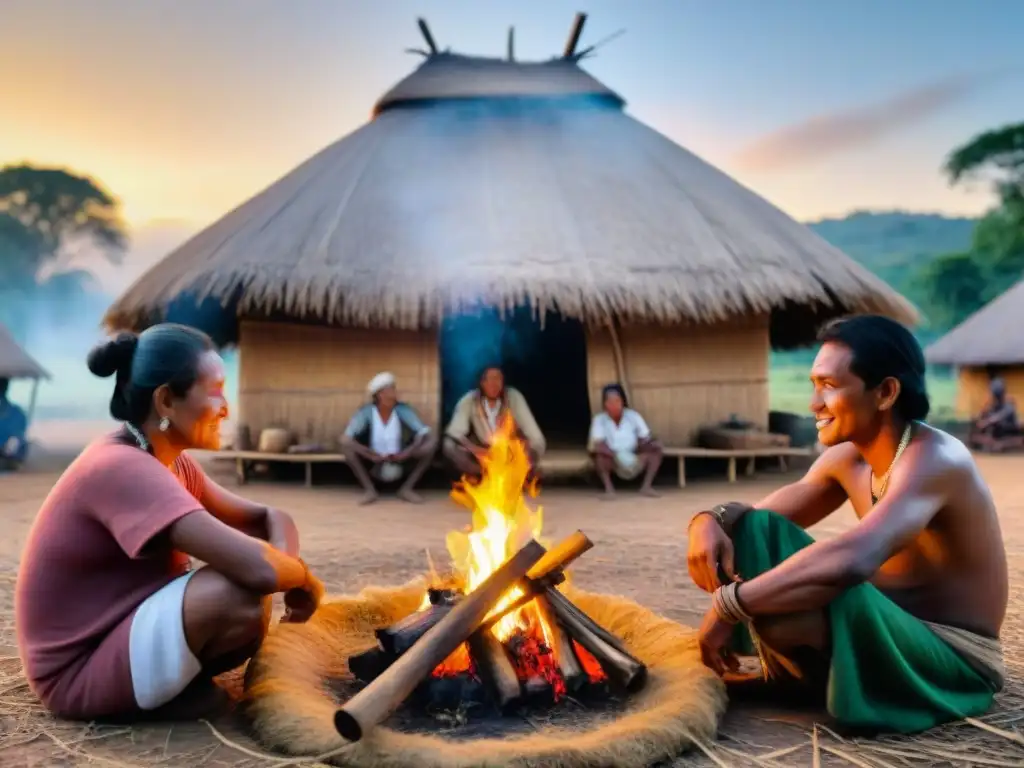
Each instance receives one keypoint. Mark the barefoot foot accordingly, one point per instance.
(368, 498)
(608, 495)
(409, 495)
(649, 492)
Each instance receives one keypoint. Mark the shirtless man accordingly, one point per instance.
(900, 614)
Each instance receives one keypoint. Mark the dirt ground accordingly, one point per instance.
(639, 553)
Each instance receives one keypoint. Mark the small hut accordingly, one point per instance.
(16, 363)
(986, 344)
(488, 184)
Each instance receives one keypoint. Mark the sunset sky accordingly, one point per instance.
(185, 108)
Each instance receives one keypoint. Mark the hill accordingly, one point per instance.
(893, 244)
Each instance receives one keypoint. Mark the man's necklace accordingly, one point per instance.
(904, 442)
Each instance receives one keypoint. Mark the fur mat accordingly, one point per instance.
(292, 710)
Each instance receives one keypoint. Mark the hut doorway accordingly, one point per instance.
(548, 364)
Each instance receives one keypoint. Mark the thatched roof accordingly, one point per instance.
(15, 362)
(990, 336)
(483, 181)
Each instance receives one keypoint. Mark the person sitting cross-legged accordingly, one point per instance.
(895, 622)
(621, 442)
(13, 425)
(997, 427)
(385, 440)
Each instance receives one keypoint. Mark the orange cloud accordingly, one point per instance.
(829, 135)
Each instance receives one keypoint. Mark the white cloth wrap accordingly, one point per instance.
(162, 664)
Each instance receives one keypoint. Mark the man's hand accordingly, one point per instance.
(282, 533)
(709, 548)
(713, 638)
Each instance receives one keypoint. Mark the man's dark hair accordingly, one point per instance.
(164, 354)
(617, 389)
(883, 349)
(4, 384)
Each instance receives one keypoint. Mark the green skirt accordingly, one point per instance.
(887, 669)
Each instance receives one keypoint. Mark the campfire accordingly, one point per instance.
(496, 628)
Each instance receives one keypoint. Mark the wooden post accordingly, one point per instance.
(31, 405)
(372, 705)
(732, 469)
(574, 35)
(309, 474)
(425, 30)
(682, 471)
(750, 466)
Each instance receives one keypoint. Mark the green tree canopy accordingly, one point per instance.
(43, 209)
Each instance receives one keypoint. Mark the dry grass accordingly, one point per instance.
(638, 554)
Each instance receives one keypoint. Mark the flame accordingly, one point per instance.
(502, 523)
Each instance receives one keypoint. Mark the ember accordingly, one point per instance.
(529, 641)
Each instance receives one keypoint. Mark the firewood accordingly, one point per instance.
(369, 664)
(561, 647)
(554, 596)
(622, 669)
(383, 696)
(402, 635)
(495, 668)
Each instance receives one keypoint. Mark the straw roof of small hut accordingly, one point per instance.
(496, 182)
(15, 362)
(991, 336)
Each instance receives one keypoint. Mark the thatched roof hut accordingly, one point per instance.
(490, 182)
(15, 362)
(985, 344)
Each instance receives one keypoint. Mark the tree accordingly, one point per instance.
(43, 210)
(998, 153)
(954, 286)
(960, 283)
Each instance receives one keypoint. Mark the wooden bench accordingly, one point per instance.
(731, 455)
(245, 459)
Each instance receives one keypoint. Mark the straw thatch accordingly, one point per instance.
(989, 337)
(292, 705)
(15, 362)
(482, 181)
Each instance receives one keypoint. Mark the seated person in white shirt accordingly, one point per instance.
(621, 442)
(389, 436)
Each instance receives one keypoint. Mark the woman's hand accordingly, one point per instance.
(301, 603)
(713, 637)
(282, 533)
(708, 549)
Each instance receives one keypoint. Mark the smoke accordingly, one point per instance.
(828, 135)
(472, 340)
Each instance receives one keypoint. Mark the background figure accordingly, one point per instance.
(998, 427)
(389, 436)
(13, 425)
(478, 415)
(621, 442)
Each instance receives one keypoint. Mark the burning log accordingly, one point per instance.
(401, 636)
(622, 669)
(370, 664)
(495, 668)
(561, 647)
(385, 694)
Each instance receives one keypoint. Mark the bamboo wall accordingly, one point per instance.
(312, 378)
(973, 393)
(685, 377)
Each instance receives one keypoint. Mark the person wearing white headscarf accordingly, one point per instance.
(386, 439)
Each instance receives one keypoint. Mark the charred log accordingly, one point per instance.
(622, 669)
(495, 668)
(402, 635)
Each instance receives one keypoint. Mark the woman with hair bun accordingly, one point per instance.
(112, 621)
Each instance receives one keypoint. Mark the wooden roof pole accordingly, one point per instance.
(574, 36)
(425, 30)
